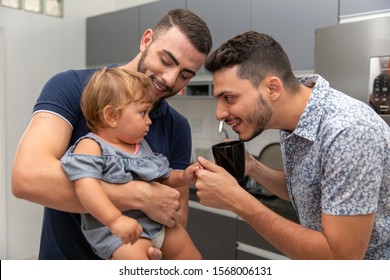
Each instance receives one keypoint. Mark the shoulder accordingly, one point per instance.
(61, 94)
(87, 146)
(71, 77)
(65, 86)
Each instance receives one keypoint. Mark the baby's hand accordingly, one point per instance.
(189, 173)
(127, 229)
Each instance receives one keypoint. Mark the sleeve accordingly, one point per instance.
(353, 165)
(78, 166)
(154, 161)
(163, 166)
(61, 95)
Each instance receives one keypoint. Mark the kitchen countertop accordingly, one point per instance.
(280, 206)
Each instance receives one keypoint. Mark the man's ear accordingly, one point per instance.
(146, 40)
(110, 116)
(275, 87)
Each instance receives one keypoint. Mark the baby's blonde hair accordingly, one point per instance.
(115, 87)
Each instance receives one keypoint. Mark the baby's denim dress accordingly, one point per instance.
(115, 166)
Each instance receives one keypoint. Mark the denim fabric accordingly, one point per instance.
(115, 166)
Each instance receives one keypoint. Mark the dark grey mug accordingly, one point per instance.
(231, 156)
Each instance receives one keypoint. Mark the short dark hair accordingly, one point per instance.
(257, 55)
(190, 24)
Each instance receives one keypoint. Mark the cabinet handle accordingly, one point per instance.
(259, 252)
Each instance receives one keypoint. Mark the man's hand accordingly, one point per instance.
(216, 187)
(189, 173)
(161, 203)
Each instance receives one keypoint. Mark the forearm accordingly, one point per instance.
(50, 186)
(273, 180)
(46, 185)
(184, 198)
(175, 179)
(293, 240)
(138, 198)
(159, 202)
(130, 196)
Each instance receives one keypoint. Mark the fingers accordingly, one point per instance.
(174, 219)
(195, 166)
(154, 253)
(136, 235)
(207, 164)
(129, 231)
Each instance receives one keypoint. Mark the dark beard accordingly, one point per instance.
(141, 64)
(259, 117)
(141, 68)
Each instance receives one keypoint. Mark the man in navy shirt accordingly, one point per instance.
(170, 55)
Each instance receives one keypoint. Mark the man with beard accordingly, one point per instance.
(170, 55)
(335, 154)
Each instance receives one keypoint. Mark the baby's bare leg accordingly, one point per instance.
(136, 251)
(178, 245)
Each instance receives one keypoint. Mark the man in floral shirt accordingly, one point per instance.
(336, 155)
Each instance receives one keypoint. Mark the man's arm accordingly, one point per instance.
(184, 198)
(342, 237)
(272, 179)
(37, 175)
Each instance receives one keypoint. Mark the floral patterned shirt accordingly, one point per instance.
(337, 162)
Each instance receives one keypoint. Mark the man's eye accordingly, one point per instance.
(165, 62)
(185, 76)
(228, 99)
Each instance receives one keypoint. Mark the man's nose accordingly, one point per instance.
(221, 112)
(170, 78)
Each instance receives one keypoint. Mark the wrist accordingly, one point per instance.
(113, 221)
(140, 193)
(129, 196)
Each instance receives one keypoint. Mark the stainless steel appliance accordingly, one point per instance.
(354, 57)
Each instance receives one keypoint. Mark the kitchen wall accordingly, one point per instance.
(33, 47)
(2, 149)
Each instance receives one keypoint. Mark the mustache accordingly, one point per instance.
(160, 84)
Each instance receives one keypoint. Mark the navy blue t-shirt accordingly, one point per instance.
(169, 134)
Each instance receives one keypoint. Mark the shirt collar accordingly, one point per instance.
(310, 120)
(159, 110)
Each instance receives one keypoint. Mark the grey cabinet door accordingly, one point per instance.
(113, 37)
(214, 235)
(225, 18)
(248, 235)
(151, 13)
(293, 25)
